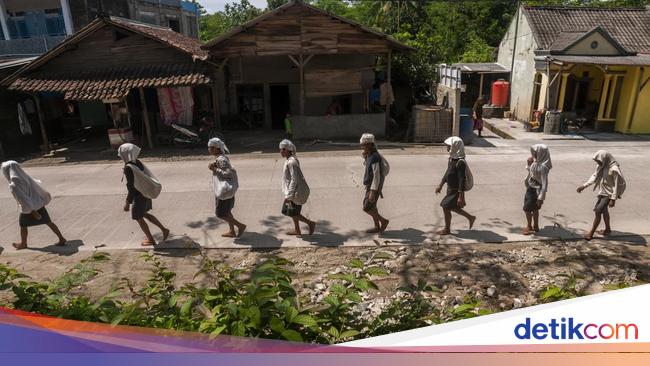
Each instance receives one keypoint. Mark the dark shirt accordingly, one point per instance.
(130, 181)
(455, 175)
(478, 110)
(369, 175)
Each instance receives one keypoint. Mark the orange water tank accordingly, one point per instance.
(500, 91)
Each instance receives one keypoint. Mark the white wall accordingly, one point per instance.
(523, 74)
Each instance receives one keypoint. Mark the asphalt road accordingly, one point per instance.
(88, 199)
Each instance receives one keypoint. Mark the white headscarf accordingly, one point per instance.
(288, 145)
(542, 157)
(367, 138)
(128, 152)
(216, 142)
(607, 162)
(457, 150)
(26, 190)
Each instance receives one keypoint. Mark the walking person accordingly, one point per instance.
(136, 200)
(455, 178)
(225, 185)
(477, 115)
(610, 183)
(32, 199)
(538, 166)
(376, 169)
(294, 188)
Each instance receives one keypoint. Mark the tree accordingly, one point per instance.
(233, 14)
(273, 4)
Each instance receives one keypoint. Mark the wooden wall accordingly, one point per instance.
(100, 50)
(300, 30)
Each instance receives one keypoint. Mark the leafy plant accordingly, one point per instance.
(564, 291)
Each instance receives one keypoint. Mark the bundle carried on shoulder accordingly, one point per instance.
(145, 181)
(225, 188)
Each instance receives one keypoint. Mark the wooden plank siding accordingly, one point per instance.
(100, 50)
(300, 30)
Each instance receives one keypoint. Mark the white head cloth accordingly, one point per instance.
(26, 190)
(216, 142)
(287, 145)
(607, 162)
(542, 156)
(457, 150)
(367, 138)
(128, 152)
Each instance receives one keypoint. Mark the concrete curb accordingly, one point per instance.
(497, 131)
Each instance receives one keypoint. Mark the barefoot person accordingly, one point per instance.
(225, 186)
(373, 180)
(454, 201)
(610, 183)
(32, 199)
(538, 166)
(135, 200)
(295, 189)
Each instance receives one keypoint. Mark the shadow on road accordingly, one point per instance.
(407, 236)
(626, 238)
(70, 248)
(258, 241)
(483, 236)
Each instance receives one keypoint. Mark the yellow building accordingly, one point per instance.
(589, 63)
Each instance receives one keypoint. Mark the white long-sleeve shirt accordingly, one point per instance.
(291, 176)
(609, 184)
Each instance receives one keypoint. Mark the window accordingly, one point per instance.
(614, 96)
(148, 17)
(174, 24)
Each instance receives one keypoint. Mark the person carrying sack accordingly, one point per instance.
(32, 199)
(609, 181)
(142, 186)
(294, 188)
(459, 179)
(224, 184)
(376, 169)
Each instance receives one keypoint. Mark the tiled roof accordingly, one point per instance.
(638, 60)
(629, 27)
(166, 35)
(114, 82)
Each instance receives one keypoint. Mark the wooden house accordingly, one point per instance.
(109, 75)
(300, 60)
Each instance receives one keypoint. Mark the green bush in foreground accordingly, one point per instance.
(261, 303)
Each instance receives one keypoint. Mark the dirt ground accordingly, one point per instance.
(500, 276)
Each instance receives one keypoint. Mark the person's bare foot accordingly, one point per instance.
(384, 224)
(604, 232)
(373, 230)
(527, 231)
(312, 227)
(230, 234)
(165, 233)
(443, 232)
(147, 243)
(588, 236)
(471, 222)
(61, 242)
(240, 230)
(19, 246)
(294, 233)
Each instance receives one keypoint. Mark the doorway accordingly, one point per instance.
(280, 105)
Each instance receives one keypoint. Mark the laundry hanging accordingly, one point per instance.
(176, 105)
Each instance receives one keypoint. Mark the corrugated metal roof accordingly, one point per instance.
(491, 67)
(629, 27)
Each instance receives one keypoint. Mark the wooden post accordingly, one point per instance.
(388, 86)
(41, 121)
(302, 85)
(480, 87)
(145, 116)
